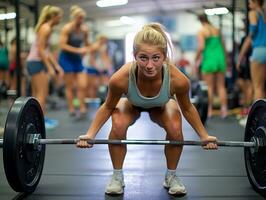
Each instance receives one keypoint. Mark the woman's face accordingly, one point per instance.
(252, 4)
(57, 19)
(150, 60)
(79, 19)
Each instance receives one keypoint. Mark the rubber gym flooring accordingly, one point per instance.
(76, 174)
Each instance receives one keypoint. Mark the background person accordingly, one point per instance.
(211, 51)
(257, 40)
(40, 62)
(74, 45)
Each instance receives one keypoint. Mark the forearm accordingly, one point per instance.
(71, 49)
(193, 118)
(54, 62)
(198, 54)
(102, 115)
(45, 58)
(245, 48)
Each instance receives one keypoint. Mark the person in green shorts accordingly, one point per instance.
(211, 55)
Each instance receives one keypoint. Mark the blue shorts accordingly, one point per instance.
(71, 63)
(35, 67)
(93, 71)
(258, 55)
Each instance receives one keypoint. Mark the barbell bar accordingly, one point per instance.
(143, 142)
(149, 142)
(24, 144)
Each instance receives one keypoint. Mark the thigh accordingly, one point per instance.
(125, 114)
(69, 79)
(82, 80)
(40, 88)
(168, 117)
(258, 55)
(209, 79)
(220, 79)
(258, 73)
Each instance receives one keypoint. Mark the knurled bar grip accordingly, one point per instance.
(149, 142)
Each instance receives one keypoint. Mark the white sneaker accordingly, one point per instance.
(2, 129)
(243, 121)
(174, 185)
(116, 185)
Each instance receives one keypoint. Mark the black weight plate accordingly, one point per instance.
(202, 104)
(22, 163)
(255, 162)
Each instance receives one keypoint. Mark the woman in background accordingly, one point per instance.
(40, 62)
(257, 40)
(74, 45)
(211, 51)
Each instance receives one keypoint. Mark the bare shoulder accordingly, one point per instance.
(252, 15)
(201, 32)
(67, 28)
(45, 28)
(119, 80)
(216, 30)
(179, 83)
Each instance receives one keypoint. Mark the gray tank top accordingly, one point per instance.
(135, 97)
(75, 39)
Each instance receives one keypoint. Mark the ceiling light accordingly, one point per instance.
(216, 11)
(7, 16)
(127, 20)
(113, 23)
(108, 3)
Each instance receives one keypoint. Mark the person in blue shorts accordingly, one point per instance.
(74, 45)
(257, 41)
(41, 64)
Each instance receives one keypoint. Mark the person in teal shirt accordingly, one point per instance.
(4, 63)
(152, 84)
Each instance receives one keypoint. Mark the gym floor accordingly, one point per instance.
(70, 173)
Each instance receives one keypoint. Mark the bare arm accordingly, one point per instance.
(224, 49)
(246, 46)
(181, 86)
(188, 109)
(56, 64)
(85, 30)
(106, 109)
(43, 35)
(117, 86)
(248, 40)
(201, 46)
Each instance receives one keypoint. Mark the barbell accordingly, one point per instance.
(24, 144)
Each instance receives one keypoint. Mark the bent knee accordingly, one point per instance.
(119, 128)
(174, 131)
